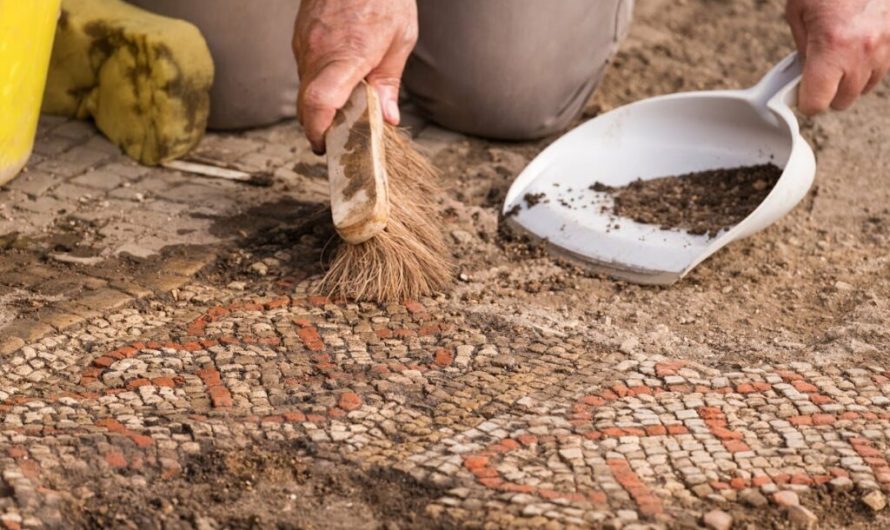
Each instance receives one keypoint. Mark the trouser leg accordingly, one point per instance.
(512, 69)
(255, 82)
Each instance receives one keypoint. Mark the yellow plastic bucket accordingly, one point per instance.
(27, 28)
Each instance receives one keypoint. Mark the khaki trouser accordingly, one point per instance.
(506, 69)
(255, 80)
(512, 69)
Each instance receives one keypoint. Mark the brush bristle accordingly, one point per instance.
(409, 259)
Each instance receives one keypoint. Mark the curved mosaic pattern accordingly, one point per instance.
(502, 422)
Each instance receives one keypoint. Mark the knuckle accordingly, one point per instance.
(836, 38)
(315, 37)
(410, 36)
(870, 42)
(352, 44)
(315, 97)
(385, 81)
(320, 41)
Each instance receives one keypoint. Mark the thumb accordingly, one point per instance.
(386, 78)
(388, 92)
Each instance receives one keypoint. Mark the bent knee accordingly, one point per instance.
(520, 113)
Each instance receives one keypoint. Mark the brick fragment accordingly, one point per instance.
(294, 416)
(220, 396)
(349, 401)
(803, 386)
(475, 462)
(656, 430)
(414, 307)
(104, 361)
(735, 446)
(311, 339)
(116, 459)
(443, 358)
(824, 419)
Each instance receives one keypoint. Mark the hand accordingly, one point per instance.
(338, 43)
(846, 46)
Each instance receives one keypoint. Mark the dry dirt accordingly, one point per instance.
(308, 494)
(814, 287)
(704, 202)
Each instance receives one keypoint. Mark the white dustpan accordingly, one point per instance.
(658, 137)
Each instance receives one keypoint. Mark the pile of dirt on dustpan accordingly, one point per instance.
(700, 203)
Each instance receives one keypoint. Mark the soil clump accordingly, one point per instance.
(702, 203)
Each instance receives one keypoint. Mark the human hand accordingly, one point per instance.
(337, 43)
(846, 47)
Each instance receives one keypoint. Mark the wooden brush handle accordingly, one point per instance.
(357, 168)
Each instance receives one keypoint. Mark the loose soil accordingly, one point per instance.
(533, 199)
(815, 287)
(701, 203)
(836, 510)
(43, 273)
(226, 488)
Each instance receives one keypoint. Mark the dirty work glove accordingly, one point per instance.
(846, 46)
(338, 43)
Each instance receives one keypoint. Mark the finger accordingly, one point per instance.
(819, 84)
(323, 94)
(387, 77)
(315, 125)
(794, 16)
(388, 92)
(876, 77)
(850, 88)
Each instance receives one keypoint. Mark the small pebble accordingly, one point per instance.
(462, 237)
(786, 498)
(629, 345)
(875, 500)
(753, 498)
(260, 268)
(800, 517)
(717, 520)
(841, 484)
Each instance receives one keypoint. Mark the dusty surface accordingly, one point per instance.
(188, 379)
(700, 203)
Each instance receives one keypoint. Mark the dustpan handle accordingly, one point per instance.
(782, 78)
